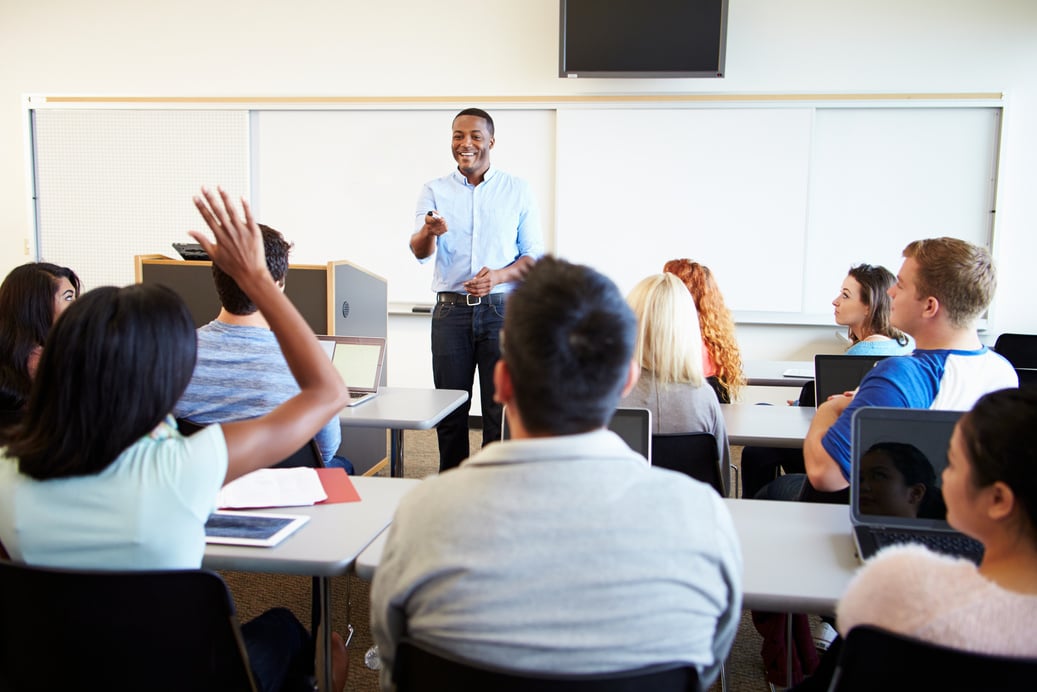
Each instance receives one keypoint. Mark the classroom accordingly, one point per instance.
(502, 55)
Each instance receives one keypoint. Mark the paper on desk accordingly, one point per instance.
(294, 487)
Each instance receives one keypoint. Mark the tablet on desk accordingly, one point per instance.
(263, 530)
(802, 373)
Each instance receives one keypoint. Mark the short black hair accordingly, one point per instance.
(26, 317)
(568, 341)
(117, 362)
(232, 298)
(478, 113)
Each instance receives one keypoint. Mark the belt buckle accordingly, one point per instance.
(468, 300)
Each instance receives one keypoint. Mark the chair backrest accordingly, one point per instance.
(694, 454)
(163, 630)
(1018, 349)
(419, 668)
(876, 659)
(308, 455)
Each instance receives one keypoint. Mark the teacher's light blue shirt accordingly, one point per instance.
(488, 225)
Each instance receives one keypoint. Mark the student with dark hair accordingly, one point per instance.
(31, 298)
(990, 489)
(863, 307)
(561, 549)
(241, 372)
(483, 227)
(97, 477)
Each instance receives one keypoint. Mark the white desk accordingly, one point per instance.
(768, 373)
(767, 426)
(399, 409)
(325, 547)
(798, 556)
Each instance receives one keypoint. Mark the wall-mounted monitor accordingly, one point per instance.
(642, 38)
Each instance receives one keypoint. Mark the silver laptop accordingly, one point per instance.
(897, 458)
(634, 425)
(835, 374)
(359, 359)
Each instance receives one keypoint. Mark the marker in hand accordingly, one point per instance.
(433, 216)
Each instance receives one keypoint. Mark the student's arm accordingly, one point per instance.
(263, 441)
(822, 470)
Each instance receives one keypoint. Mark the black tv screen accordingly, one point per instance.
(642, 38)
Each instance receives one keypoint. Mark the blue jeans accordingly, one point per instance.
(280, 651)
(465, 339)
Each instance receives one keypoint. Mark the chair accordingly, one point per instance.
(876, 659)
(308, 455)
(1018, 349)
(694, 454)
(419, 668)
(160, 631)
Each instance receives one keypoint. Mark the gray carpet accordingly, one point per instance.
(254, 593)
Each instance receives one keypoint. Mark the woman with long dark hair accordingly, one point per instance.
(96, 475)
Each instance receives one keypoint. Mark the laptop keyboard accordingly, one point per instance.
(948, 543)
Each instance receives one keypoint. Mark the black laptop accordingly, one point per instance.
(897, 458)
(835, 374)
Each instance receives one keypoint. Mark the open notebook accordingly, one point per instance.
(359, 359)
(898, 456)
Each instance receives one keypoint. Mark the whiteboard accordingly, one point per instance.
(779, 202)
(778, 198)
(113, 184)
(724, 187)
(344, 184)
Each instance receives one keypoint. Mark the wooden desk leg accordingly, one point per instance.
(396, 453)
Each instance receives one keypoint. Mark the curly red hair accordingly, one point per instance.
(715, 321)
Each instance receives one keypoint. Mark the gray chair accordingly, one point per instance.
(872, 658)
(161, 631)
(693, 454)
(1018, 349)
(421, 668)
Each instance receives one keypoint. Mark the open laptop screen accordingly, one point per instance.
(898, 458)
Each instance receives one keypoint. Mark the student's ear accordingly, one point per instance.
(915, 493)
(932, 307)
(1001, 501)
(502, 387)
(633, 374)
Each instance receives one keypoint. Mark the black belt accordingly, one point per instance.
(470, 300)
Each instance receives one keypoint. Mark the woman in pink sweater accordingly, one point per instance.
(990, 488)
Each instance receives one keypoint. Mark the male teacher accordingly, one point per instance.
(483, 226)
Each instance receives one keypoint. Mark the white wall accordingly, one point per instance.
(509, 47)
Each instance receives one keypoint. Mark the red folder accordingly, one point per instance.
(337, 485)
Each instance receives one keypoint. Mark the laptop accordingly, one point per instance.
(885, 510)
(359, 359)
(634, 425)
(192, 252)
(835, 374)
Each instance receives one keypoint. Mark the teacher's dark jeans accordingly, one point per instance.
(465, 339)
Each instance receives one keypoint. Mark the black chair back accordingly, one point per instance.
(162, 631)
(693, 454)
(416, 668)
(872, 658)
(1018, 349)
(308, 455)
